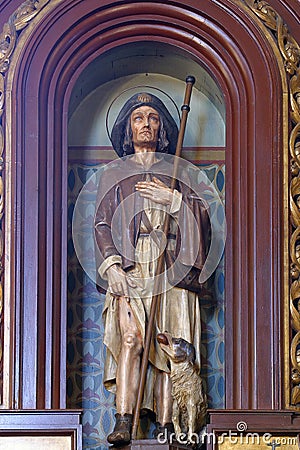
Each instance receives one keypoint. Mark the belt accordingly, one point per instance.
(170, 235)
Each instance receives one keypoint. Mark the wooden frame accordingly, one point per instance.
(252, 430)
(36, 430)
(47, 48)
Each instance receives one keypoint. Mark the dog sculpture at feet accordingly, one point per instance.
(189, 400)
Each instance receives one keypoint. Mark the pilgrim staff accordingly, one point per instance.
(190, 80)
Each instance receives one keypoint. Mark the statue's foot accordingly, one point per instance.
(122, 431)
(163, 431)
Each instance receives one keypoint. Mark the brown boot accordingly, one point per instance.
(122, 431)
(163, 431)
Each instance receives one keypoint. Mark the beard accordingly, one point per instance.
(146, 140)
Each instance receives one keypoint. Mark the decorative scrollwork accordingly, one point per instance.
(11, 30)
(265, 12)
(295, 109)
(8, 41)
(287, 45)
(295, 243)
(290, 52)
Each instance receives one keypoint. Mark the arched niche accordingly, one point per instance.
(232, 44)
(144, 64)
(104, 86)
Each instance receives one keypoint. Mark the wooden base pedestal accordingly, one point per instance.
(151, 444)
(253, 430)
(40, 429)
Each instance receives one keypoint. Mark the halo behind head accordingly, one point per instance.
(137, 100)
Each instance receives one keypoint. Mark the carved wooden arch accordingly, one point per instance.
(47, 58)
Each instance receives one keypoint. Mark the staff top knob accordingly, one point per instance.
(190, 79)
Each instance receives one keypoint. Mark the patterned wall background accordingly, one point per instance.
(85, 329)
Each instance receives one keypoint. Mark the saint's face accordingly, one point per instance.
(145, 126)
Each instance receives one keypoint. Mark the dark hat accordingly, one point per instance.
(137, 100)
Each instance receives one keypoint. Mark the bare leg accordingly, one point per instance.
(127, 377)
(163, 398)
(128, 369)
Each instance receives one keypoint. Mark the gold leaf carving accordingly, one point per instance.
(286, 43)
(1, 299)
(1, 141)
(295, 246)
(265, 12)
(26, 12)
(295, 352)
(295, 373)
(288, 47)
(295, 201)
(1, 205)
(11, 30)
(1, 95)
(295, 300)
(290, 52)
(7, 45)
(295, 142)
(295, 101)
(292, 67)
(295, 397)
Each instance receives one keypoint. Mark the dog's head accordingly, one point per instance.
(177, 349)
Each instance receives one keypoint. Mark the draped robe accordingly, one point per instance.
(122, 236)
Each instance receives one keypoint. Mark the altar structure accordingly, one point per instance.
(62, 62)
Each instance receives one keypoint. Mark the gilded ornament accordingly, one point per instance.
(7, 45)
(295, 99)
(294, 168)
(295, 395)
(27, 11)
(1, 144)
(295, 310)
(294, 203)
(264, 11)
(296, 376)
(294, 351)
(294, 271)
(290, 52)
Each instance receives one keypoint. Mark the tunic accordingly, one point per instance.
(178, 312)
